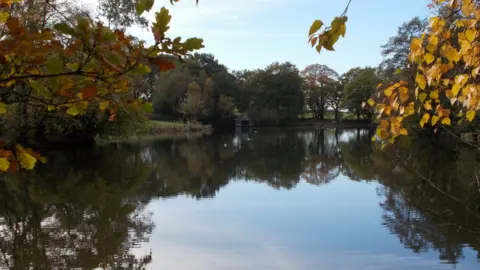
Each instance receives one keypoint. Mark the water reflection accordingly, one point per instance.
(87, 207)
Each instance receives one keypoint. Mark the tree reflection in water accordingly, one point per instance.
(86, 207)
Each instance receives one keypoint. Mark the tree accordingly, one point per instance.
(121, 13)
(334, 98)
(74, 64)
(274, 93)
(446, 86)
(223, 84)
(359, 87)
(396, 50)
(320, 84)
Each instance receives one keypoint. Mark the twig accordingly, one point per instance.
(346, 8)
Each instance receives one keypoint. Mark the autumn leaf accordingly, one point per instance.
(27, 161)
(104, 104)
(446, 121)
(403, 131)
(422, 97)
(452, 55)
(424, 119)
(388, 92)
(72, 110)
(421, 82)
(470, 115)
(434, 119)
(4, 164)
(429, 58)
(316, 25)
(3, 108)
(161, 63)
(4, 16)
(89, 92)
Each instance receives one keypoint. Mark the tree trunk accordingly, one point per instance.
(337, 119)
(358, 115)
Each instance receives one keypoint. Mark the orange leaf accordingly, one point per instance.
(89, 92)
(161, 63)
(14, 26)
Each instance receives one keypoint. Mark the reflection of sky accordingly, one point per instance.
(252, 226)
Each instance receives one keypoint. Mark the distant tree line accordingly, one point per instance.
(203, 89)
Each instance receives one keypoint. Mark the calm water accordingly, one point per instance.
(268, 199)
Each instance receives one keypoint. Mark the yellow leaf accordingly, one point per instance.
(3, 108)
(403, 131)
(50, 108)
(455, 89)
(316, 25)
(475, 72)
(446, 121)
(415, 45)
(470, 115)
(403, 93)
(431, 48)
(4, 164)
(27, 161)
(72, 111)
(434, 95)
(421, 82)
(433, 40)
(467, 7)
(384, 124)
(4, 16)
(388, 92)
(429, 58)
(427, 105)
(422, 97)
(434, 120)
(424, 119)
(452, 55)
(104, 104)
(371, 102)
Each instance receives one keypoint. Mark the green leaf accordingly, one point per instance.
(140, 7)
(3, 108)
(316, 25)
(54, 65)
(148, 4)
(142, 70)
(162, 19)
(192, 44)
(64, 28)
(72, 111)
(4, 16)
(39, 88)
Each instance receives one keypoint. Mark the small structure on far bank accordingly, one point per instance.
(243, 121)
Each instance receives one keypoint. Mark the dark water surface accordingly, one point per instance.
(268, 199)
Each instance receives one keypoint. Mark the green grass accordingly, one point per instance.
(165, 125)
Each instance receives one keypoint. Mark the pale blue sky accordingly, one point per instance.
(248, 34)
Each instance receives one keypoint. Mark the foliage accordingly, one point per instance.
(79, 61)
(273, 94)
(396, 50)
(360, 85)
(121, 13)
(320, 87)
(446, 88)
(330, 35)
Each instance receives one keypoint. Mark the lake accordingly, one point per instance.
(263, 199)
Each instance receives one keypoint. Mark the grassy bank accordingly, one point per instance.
(163, 130)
